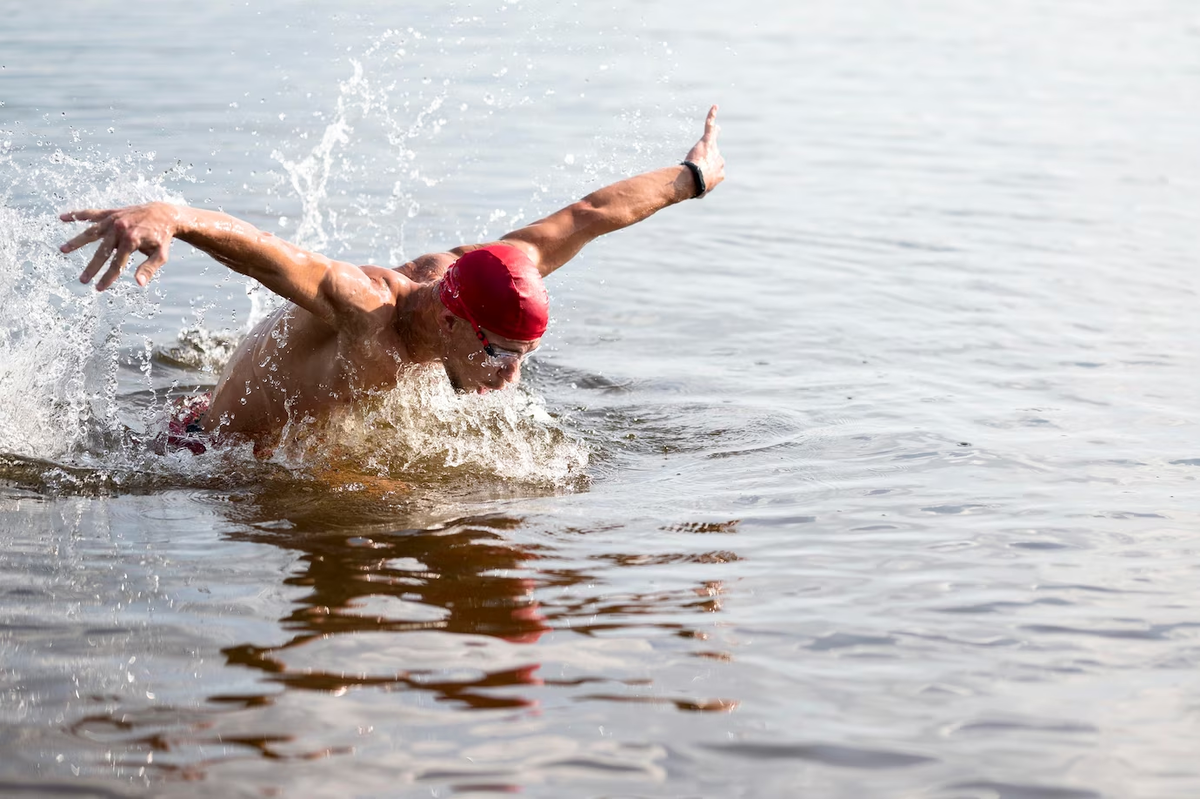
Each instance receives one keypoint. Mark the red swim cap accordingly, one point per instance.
(499, 288)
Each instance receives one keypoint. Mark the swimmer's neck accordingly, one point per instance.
(416, 323)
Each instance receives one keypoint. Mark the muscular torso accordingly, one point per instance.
(294, 367)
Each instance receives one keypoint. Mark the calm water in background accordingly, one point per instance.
(871, 475)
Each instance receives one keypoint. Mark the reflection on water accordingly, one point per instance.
(483, 614)
(454, 580)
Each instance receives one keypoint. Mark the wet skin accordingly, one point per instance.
(349, 331)
(293, 366)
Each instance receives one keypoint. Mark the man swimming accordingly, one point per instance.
(348, 331)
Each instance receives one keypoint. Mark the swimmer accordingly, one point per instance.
(348, 331)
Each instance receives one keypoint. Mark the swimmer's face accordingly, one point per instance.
(471, 369)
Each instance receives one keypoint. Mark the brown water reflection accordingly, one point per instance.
(395, 629)
(451, 579)
(473, 576)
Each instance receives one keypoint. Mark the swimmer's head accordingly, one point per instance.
(497, 287)
(499, 293)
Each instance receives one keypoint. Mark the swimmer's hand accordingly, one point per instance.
(706, 155)
(147, 229)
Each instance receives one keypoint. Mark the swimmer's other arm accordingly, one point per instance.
(337, 292)
(558, 238)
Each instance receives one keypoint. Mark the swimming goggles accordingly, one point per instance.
(498, 356)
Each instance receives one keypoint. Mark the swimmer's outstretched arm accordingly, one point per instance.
(558, 238)
(335, 291)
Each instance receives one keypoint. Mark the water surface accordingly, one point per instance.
(870, 475)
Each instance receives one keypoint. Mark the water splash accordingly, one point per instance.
(372, 138)
(80, 389)
(80, 405)
(424, 433)
(60, 342)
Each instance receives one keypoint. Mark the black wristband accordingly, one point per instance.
(701, 187)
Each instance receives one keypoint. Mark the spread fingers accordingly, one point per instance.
(151, 265)
(114, 270)
(102, 252)
(93, 233)
(85, 215)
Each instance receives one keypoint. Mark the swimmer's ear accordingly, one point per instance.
(446, 321)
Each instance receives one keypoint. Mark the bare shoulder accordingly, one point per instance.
(392, 280)
(430, 267)
(427, 268)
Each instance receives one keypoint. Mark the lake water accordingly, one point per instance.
(872, 474)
